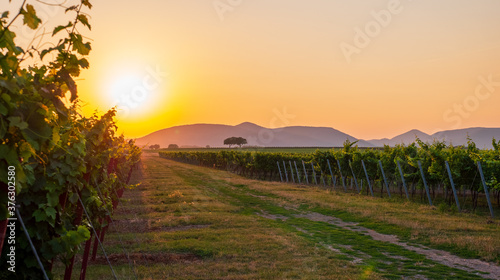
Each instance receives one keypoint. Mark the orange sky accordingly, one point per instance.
(371, 69)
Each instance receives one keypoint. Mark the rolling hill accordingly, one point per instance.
(201, 135)
(480, 135)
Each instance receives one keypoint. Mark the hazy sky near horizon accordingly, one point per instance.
(371, 69)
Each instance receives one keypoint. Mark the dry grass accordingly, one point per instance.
(173, 229)
(179, 225)
(463, 230)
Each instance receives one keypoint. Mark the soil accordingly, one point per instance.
(439, 256)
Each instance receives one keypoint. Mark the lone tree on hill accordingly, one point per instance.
(154, 147)
(173, 146)
(235, 141)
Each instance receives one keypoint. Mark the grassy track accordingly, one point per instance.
(188, 222)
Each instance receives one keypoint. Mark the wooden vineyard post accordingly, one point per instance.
(85, 259)
(341, 176)
(403, 179)
(452, 184)
(331, 173)
(305, 172)
(296, 169)
(485, 188)
(100, 234)
(96, 243)
(367, 178)
(313, 173)
(354, 177)
(291, 171)
(425, 182)
(385, 179)
(279, 169)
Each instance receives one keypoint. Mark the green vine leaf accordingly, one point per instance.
(79, 46)
(17, 122)
(61, 27)
(52, 199)
(87, 3)
(84, 20)
(39, 215)
(30, 17)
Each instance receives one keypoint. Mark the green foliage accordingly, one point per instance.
(235, 141)
(462, 160)
(156, 146)
(58, 154)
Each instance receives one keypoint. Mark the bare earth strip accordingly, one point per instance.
(440, 256)
(209, 189)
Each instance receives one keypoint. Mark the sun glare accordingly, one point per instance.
(134, 94)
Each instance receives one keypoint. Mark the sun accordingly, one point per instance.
(134, 93)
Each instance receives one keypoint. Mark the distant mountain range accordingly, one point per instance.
(213, 135)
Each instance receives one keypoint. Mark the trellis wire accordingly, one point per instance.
(31, 244)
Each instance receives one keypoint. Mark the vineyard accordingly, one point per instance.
(61, 173)
(454, 178)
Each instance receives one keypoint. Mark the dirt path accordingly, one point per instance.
(443, 257)
(361, 246)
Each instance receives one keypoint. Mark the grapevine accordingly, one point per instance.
(59, 155)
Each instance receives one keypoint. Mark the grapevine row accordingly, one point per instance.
(65, 165)
(349, 161)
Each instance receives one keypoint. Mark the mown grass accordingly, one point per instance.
(464, 234)
(188, 222)
(179, 229)
(391, 261)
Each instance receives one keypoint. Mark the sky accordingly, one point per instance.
(371, 69)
